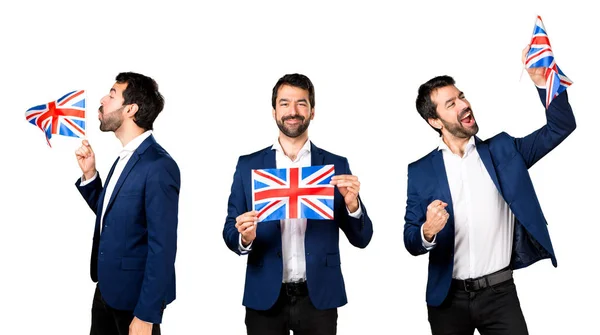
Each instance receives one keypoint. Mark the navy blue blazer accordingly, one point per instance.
(133, 260)
(264, 270)
(507, 160)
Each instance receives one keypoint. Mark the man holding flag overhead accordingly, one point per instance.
(540, 56)
(135, 235)
(471, 205)
(281, 215)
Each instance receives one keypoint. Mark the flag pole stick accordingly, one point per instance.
(524, 66)
(85, 117)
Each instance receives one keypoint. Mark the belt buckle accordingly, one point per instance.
(288, 289)
(471, 285)
(291, 289)
(466, 286)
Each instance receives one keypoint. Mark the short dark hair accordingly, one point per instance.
(143, 91)
(296, 80)
(426, 107)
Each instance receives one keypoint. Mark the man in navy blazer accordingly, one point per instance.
(471, 205)
(293, 275)
(135, 235)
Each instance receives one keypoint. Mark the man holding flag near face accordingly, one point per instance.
(135, 235)
(471, 203)
(293, 275)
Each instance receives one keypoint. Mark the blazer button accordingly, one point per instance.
(279, 254)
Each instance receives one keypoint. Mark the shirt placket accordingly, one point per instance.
(468, 210)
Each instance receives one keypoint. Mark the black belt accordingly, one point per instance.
(298, 289)
(471, 285)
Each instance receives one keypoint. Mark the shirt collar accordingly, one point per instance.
(305, 148)
(470, 145)
(134, 144)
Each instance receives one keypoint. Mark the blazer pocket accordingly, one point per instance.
(333, 260)
(129, 263)
(129, 194)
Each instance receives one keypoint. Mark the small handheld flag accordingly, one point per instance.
(540, 55)
(279, 194)
(65, 116)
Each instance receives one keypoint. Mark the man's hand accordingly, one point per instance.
(436, 219)
(139, 327)
(349, 186)
(246, 225)
(537, 74)
(86, 159)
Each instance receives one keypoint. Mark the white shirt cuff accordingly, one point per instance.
(426, 244)
(242, 249)
(356, 214)
(85, 182)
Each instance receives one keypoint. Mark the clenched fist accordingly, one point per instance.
(437, 216)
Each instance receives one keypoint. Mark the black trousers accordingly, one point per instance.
(109, 321)
(296, 313)
(494, 310)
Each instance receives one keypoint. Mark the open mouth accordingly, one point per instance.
(467, 119)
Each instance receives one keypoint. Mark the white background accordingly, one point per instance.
(216, 64)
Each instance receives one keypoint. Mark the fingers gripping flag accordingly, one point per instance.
(540, 55)
(279, 194)
(65, 116)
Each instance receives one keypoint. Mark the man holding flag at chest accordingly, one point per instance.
(287, 205)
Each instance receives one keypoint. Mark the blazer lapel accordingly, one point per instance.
(437, 160)
(100, 203)
(269, 159)
(316, 155)
(484, 152)
(135, 157)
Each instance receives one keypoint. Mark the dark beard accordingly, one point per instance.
(111, 121)
(458, 130)
(293, 133)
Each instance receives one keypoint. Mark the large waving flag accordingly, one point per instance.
(65, 116)
(540, 55)
(279, 194)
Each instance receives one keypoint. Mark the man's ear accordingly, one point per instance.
(133, 108)
(435, 123)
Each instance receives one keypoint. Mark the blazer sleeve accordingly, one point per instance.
(91, 192)
(235, 206)
(413, 219)
(358, 230)
(560, 122)
(161, 209)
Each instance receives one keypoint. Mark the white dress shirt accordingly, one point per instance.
(124, 157)
(483, 221)
(293, 230)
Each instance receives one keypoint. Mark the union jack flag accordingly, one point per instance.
(65, 116)
(540, 55)
(279, 194)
